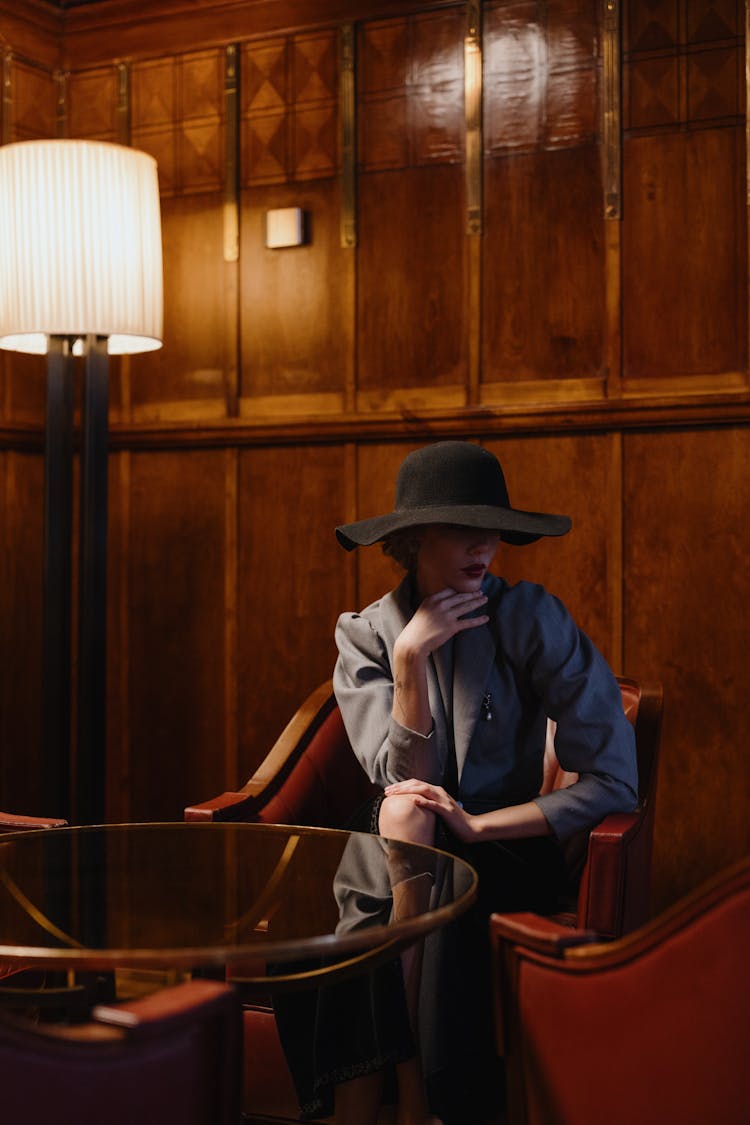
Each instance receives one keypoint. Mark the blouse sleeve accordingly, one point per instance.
(594, 738)
(363, 685)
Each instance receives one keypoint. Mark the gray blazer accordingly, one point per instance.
(500, 682)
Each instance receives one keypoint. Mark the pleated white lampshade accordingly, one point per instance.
(80, 245)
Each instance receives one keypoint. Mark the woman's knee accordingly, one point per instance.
(401, 819)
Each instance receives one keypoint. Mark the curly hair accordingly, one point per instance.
(403, 546)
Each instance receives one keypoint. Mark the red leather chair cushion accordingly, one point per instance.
(325, 786)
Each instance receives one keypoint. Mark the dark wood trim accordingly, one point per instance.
(627, 414)
(95, 32)
(32, 29)
(601, 417)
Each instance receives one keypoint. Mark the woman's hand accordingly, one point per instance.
(439, 617)
(436, 800)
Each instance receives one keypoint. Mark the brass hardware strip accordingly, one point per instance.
(123, 103)
(747, 99)
(473, 172)
(348, 135)
(6, 113)
(61, 102)
(612, 111)
(231, 156)
(473, 112)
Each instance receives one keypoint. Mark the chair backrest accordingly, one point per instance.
(321, 782)
(652, 1028)
(174, 1056)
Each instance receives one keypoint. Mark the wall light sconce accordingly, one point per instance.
(80, 274)
(285, 226)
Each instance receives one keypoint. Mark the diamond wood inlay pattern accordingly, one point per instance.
(92, 104)
(178, 116)
(684, 63)
(290, 109)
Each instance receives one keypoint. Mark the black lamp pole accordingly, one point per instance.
(91, 754)
(87, 803)
(56, 625)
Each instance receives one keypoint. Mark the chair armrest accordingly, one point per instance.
(228, 806)
(13, 822)
(614, 892)
(538, 933)
(285, 752)
(159, 1011)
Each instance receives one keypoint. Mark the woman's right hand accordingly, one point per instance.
(439, 617)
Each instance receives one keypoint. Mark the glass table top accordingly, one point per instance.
(189, 895)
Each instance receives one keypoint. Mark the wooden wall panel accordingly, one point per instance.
(23, 387)
(289, 108)
(190, 376)
(411, 262)
(21, 508)
(684, 234)
(176, 654)
(411, 313)
(92, 101)
(543, 294)
(686, 592)
(28, 112)
(295, 305)
(684, 255)
(33, 103)
(294, 580)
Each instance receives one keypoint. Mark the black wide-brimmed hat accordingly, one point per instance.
(453, 482)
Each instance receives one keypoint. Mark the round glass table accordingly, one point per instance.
(250, 897)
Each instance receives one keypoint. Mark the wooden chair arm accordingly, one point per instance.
(228, 806)
(245, 802)
(14, 822)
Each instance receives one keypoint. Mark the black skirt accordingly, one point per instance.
(360, 1026)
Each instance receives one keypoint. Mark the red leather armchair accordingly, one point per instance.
(174, 1056)
(653, 1028)
(311, 776)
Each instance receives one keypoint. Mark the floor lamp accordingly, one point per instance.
(80, 274)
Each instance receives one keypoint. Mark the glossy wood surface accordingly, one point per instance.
(605, 362)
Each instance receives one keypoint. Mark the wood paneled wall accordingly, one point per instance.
(588, 323)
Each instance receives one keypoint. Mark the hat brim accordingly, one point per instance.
(513, 524)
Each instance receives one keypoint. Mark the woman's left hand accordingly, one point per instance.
(436, 800)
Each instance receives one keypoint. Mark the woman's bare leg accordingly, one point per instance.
(358, 1101)
(401, 819)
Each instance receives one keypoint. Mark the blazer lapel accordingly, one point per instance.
(474, 655)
